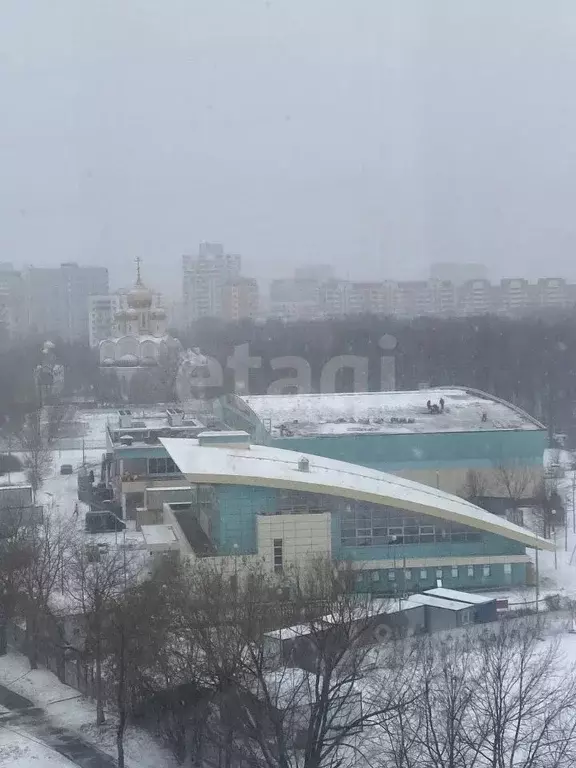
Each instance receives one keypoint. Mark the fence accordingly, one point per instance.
(65, 663)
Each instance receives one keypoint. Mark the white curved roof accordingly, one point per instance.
(278, 468)
(325, 414)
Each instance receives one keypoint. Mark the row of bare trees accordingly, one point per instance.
(186, 650)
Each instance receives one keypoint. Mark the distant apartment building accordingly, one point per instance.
(240, 299)
(56, 299)
(515, 295)
(203, 280)
(368, 299)
(12, 315)
(476, 297)
(553, 292)
(292, 299)
(103, 311)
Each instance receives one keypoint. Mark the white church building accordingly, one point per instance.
(139, 333)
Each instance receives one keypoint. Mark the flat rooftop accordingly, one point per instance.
(459, 596)
(394, 413)
(147, 426)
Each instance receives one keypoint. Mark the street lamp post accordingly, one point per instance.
(573, 494)
(554, 534)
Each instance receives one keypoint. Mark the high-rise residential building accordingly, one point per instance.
(367, 299)
(515, 295)
(551, 292)
(101, 311)
(240, 299)
(292, 299)
(12, 314)
(333, 298)
(457, 273)
(56, 298)
(204, 277)
(476, 297)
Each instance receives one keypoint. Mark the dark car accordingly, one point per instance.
(66, 469)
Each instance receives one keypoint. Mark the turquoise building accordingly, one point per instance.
(399, 536)
(434, 436)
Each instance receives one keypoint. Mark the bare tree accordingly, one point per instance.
(475, 486)
(94, 583)
(58, 416)
(37, 454)
(15, 553)
(524, 702)
(42, 575)
(496, 698)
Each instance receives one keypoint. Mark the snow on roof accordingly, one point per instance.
(290, 633)
(387, 412)
(462, 597)
(265, 466)
(159, 534)
(438, 602)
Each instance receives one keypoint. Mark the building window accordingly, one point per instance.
(359, 578)
(375, 575)
(391, 575)
(486, 571)
(162, 466)
(278, 556)
(507, 569)
(454, 572)
(438, 573)
(407, 575)
(470, 571)
(423, 574)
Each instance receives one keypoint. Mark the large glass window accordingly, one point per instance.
(365, 525)
(162, 466)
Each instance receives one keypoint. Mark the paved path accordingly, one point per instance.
(34, 721)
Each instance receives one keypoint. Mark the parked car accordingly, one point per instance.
(66, 469)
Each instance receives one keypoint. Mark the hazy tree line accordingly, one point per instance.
(182, 650)
(529, 361)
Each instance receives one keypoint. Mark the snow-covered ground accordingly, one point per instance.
(68, 708)
(19, 749)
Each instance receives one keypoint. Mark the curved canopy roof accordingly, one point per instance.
(264, 466)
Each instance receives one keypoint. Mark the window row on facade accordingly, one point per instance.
(425, 574)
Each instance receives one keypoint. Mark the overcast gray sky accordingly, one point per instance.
(375, 135)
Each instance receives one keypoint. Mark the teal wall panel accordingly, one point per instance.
(424, 451)
(405, 582)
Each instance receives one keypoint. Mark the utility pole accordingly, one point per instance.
(573, 504)
(537, 581)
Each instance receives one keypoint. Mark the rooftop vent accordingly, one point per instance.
(126, 440)
(175, 417)
(236, 439)
(125, 419)
(303, 464)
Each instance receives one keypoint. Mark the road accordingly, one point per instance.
(23, 717)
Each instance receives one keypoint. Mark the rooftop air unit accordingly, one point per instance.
(125, 419)
(303, 464)
(175, 417)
